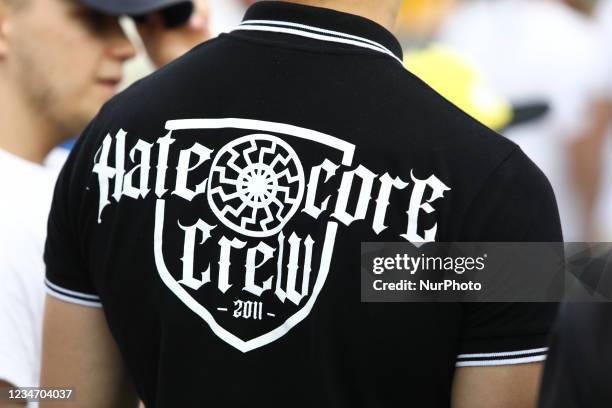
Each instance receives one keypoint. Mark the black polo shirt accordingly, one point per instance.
(215, 210)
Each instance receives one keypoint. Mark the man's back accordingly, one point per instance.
(219, 206)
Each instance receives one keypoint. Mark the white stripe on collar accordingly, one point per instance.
(311, 28)
(300, 30)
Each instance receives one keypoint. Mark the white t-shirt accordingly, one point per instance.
(26, 191)
(538, 51)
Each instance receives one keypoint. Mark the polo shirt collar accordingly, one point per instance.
(321, 24)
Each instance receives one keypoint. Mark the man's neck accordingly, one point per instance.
(22, 132)
(384, 12)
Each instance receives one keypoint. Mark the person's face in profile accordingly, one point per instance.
(64, 58)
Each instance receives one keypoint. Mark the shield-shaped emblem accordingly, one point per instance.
(255, 254)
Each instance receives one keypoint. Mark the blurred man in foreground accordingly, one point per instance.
(60, 60)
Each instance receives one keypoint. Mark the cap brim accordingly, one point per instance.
(180, 9)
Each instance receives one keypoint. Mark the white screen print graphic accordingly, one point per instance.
(270, 186)
(255, 186)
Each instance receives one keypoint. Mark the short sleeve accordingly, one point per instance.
(516, 204)
(67, 275)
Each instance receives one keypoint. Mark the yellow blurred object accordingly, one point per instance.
(461, 83)
(421, 18)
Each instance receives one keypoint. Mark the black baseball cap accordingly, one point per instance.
(175, 12)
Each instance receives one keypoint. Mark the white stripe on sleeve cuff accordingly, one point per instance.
(502, 358)
(72, 296)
